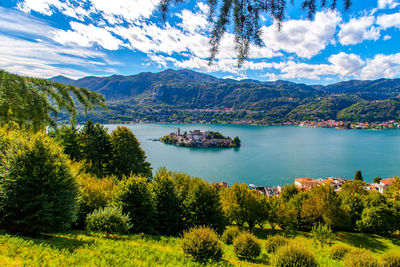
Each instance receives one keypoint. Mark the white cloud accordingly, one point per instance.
(358, 30)
(387, 37)
(389, 20)
(383, 4)
(40, 56)
(129, 10)
(87, 35)
(346, 64)
(303, 37)
(382, 66)
(71, 8)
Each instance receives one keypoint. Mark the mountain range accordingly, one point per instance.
(274, 101)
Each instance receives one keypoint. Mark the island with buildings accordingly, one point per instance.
(199, 138)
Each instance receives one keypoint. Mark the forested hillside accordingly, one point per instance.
(183, 95)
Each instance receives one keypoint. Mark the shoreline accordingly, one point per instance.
(311, 124)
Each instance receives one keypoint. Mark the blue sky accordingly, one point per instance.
(45, 38)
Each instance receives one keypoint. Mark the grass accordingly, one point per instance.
(82, 249)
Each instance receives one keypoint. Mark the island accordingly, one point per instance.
(198, 138)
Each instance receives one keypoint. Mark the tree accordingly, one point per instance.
(358, 176)
(37, 191)
(322, 234)
(203, 206)
(34, 103)
(377, 180)
(246, 17)
(127, 156)
(69, 139)
(236, 141)
(136, 199)
(324, 206)
(96, 148)
(168, 206)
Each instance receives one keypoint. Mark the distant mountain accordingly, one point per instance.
(275, 101)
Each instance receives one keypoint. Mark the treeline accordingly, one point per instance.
(51, 182)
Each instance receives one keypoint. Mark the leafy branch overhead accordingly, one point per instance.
(246, 15)
(34, 102)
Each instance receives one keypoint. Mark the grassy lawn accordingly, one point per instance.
(81, 249)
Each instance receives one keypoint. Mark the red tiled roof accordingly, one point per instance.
(387, 181)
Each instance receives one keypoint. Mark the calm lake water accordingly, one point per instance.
(276, 155)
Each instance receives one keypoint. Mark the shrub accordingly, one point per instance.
(135, 198)
(292, 255)
(274, 242)
(360, 258)
(246, 246)
(322, 234)
(109, 220)
(390, 259)
(38, 192)
(339, 251)
(230, 234)
(94, 193)
(202, 244)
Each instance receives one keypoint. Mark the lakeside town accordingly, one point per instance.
(307, 183)
(199, 138)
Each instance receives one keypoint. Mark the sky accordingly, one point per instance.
(46, 38)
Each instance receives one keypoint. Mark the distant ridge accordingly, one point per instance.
(276, 101)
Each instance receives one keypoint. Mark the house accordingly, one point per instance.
(220, 184)
(384, 184)
(305, 183)
(335, 182)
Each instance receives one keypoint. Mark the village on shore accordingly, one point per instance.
(307, 183)
(199, 138)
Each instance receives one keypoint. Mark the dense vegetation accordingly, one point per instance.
(184, 95)
(89, 179)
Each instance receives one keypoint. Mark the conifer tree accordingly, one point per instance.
(358, 176)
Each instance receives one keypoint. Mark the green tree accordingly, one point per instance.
(136, 199)
(377, 180)
(69, 139)
(127, 156)
(236, 141)
(37, 191)
(322, 234)
(203, 206)
(324, 205)
(34, 103)
(96, 148)
(246, 17)
(358, 176)
(168, 206)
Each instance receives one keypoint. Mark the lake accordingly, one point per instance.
(275, 155)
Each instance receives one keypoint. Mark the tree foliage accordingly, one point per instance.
(37, 190)
(246, 17)
(34, 103)
(127, 155)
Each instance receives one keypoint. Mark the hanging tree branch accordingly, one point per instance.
(245, 14)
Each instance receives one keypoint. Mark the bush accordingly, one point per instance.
(274, 242)
(292, 255)
(339, 251)
(390, 259)
(135, 198)
(202, 244)
(360, 258)
(94, 193)
(246, 246)
(109, 220)
(322, 234)
(230, 234)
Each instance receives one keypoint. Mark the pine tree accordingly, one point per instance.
(96, 148)
(358, 176)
